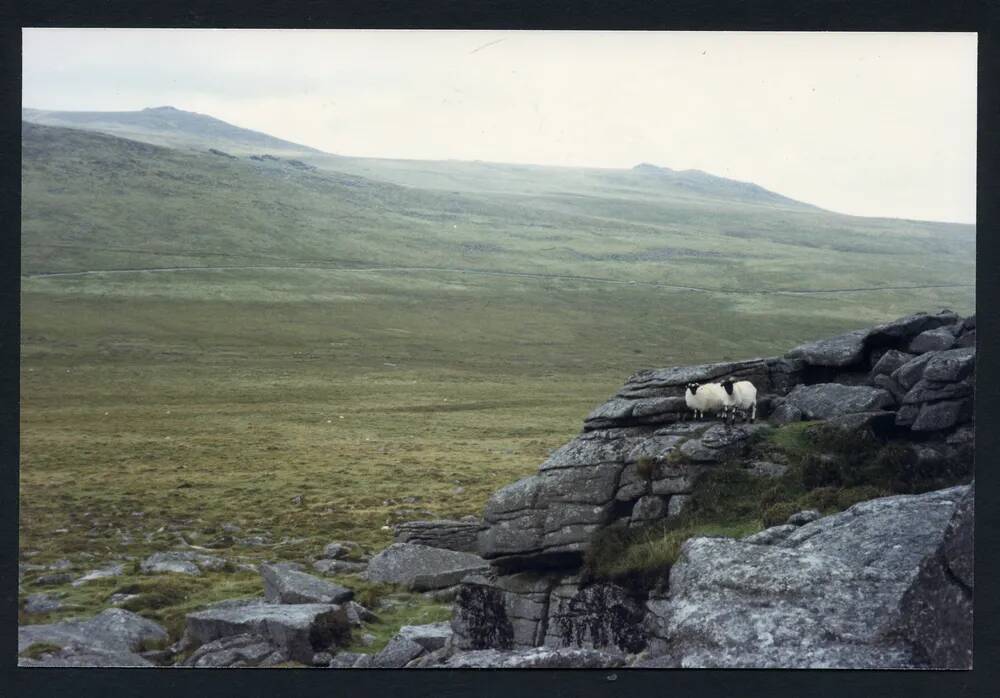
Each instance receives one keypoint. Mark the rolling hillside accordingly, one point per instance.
(94, 201)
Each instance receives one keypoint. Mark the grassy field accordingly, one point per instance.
(296, 406)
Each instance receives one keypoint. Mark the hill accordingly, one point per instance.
(176, 128)
(167, 126)
(94, 201)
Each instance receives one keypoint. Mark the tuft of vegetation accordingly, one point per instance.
(367, 593)
(645, 467)
(37, 650)
(777, 514)
(403, 609)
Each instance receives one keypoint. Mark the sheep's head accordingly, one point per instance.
(728, 385)
(693, 387)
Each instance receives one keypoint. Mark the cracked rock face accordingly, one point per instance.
(936, 615)
(599, 478)
(440, 533)
(826, 595)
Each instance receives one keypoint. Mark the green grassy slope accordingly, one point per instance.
(98, 202)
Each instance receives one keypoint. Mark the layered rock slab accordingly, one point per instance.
(298, 630)
(826, 595)
(422, 568)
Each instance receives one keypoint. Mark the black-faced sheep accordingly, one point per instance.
(739, 395)
(700, 399)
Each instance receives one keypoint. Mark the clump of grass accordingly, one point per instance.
(645, 467)
(158, 592)
(641, 558)
(777, 514)
(37, 650)
(791, 438)
(413, 609)
(366, 593)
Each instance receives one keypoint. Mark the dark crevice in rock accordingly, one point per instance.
(482, 610)
(954, 579)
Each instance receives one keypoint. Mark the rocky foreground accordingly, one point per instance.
(887, 583)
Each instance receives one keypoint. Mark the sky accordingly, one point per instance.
(872, 124)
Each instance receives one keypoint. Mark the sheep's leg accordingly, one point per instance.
(753, 414)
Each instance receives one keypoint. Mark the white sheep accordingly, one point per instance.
(739, 395)
(700, 399)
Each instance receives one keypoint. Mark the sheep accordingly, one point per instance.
(739, 395)
(700, 399)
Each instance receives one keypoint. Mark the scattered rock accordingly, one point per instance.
(181, 562)
(322, 659)
(803, 517)
(111, 638)
(76, 655)
(397, 653)
(119, 599)
(237, 651)
(42, 603)
(421, 568)
(114, 570)
(299, 630)
(339, 567)
(432, 636)
(346, 660)
(338, 550)
(358, 614)
(285, 585)
(55, 579)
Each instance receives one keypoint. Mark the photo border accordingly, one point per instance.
(894, 15)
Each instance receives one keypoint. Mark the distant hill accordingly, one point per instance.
(94, 201)
(168, 126)
(182, 129)
(707, 184)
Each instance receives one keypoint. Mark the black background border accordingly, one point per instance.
(772, 15)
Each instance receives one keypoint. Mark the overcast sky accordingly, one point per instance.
(878, 124)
